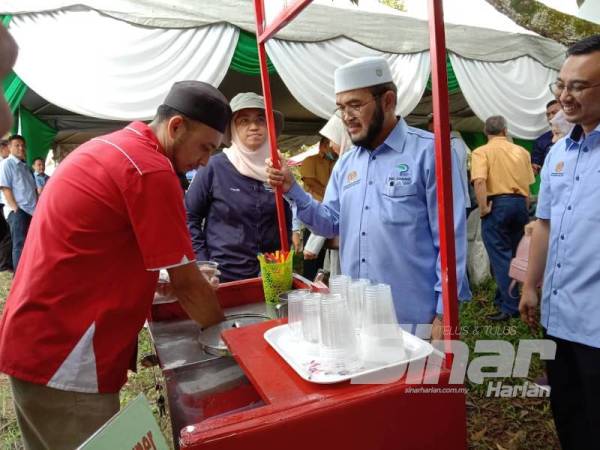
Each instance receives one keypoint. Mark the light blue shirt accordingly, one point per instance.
(41, 179)
(568, 197)
(16, 175)
(383, 205)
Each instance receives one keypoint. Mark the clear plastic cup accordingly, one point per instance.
(338, 284)
(381, 336)
(356, 300)
(338, 348)
(210, 271)
(294, 309)
(311, 318)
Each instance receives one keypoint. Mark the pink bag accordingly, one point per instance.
(518, 265)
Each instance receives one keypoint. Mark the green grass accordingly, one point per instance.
(492, 423)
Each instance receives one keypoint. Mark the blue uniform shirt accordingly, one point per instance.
(383, 205)
(232, 218)
(16, 175)
(568, 198)
(41, 179)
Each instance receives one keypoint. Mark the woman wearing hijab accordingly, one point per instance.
(339, 140)
(231, 209)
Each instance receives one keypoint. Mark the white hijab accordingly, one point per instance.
(247, 162)
(335, 131)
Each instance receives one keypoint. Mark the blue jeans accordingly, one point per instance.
(19, 226)
(501, 230)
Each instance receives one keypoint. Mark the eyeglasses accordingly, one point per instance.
(353, 110)
(574, 89)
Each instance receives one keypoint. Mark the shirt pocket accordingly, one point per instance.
(398, 203)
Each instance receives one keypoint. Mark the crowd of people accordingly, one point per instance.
(20, 187)
(88, 265)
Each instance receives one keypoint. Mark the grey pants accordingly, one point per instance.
(52, 419)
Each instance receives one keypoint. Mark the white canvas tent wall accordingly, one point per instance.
(110, 69)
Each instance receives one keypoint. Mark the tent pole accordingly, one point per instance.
(266, 86)
(443, 173)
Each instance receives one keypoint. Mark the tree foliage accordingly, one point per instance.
(538, 18)
(546, 21)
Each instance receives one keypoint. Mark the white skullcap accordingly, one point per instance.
(362, 72)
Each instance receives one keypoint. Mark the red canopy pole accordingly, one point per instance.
(264, 75)
(443, 171)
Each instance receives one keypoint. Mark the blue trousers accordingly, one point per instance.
(19, 226)
(501, 230)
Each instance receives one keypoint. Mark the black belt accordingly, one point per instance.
(492, 197)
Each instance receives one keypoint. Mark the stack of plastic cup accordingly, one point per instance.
(295, 305)
(338, 348)
(381, 336)
(356, 300)
(338, 284)
(311, 319)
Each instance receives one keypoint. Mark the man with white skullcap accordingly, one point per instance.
(381, 198)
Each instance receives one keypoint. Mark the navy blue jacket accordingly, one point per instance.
(232, 218)
(541, 147)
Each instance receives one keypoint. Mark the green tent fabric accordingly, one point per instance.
(245, 58)
(453, 86)
(14, 90)
(474, 140)
(37, 133)
(13, 87)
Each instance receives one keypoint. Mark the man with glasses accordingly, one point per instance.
(564, 252)
(381, 197)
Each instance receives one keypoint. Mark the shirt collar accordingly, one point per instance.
(492, 138)
(16, 159)
(144, 130)
(395, 140)
(576, 134)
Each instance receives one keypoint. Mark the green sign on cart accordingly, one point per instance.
(133, 428)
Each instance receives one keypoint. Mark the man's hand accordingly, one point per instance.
(528, 307)
(536, 168)
(437, 329)
(309, 255)
(485, 210)
(195, 294)
(279, 177)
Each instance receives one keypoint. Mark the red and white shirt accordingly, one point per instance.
(111, 217)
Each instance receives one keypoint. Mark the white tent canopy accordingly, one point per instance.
(117, 69)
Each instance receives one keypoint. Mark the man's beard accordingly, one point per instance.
(373, 130)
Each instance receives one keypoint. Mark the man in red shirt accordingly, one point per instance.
(109, 220)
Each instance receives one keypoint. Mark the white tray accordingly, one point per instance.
(302, 358)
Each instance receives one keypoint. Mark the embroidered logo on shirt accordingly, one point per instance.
(351, 179)
(558, 170)
(234, 189)
(403, 168)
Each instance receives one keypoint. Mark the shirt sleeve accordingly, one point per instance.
(544, 201)
(197, 205)
(6, 175)
(320, 218)
(155, 207)
(479, 166)
(460, 229)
